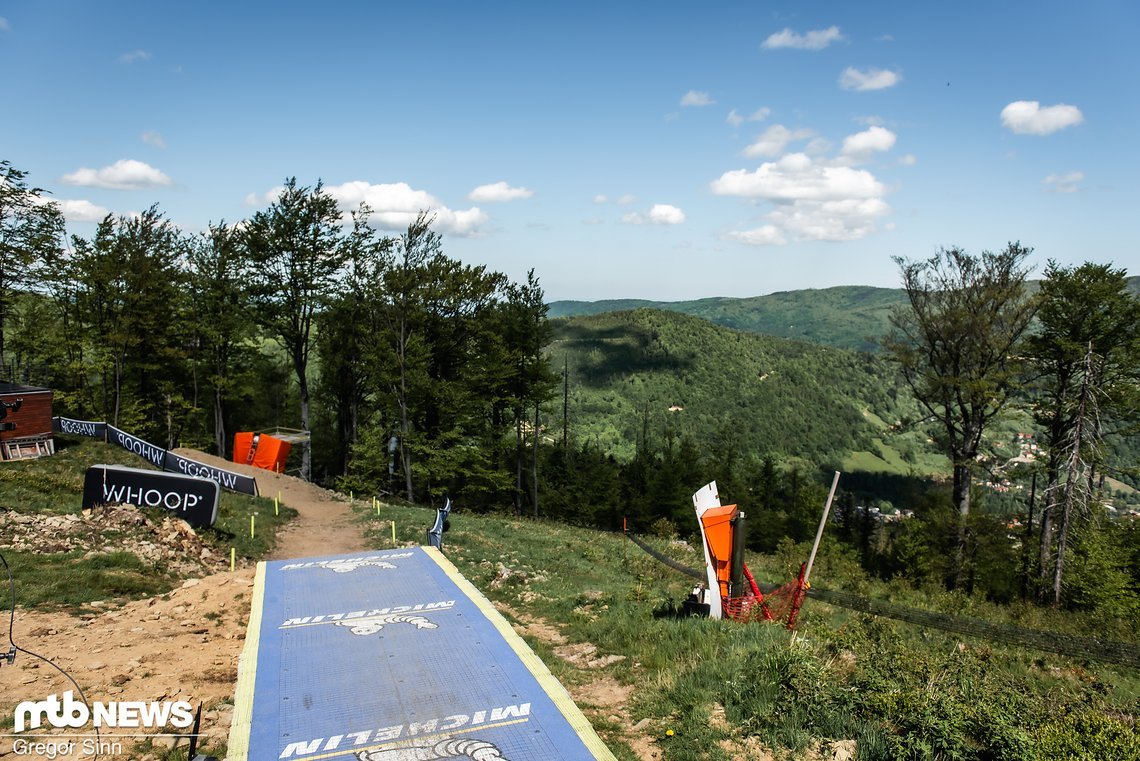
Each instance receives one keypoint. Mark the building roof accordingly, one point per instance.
(15, 388)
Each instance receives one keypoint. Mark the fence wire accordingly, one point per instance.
(1073, 646)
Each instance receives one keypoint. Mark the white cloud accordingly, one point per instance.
(1027, 117)
(758, 115)
(909, 160)
(1063, 183)
(774, 140)
(4, 25)
(817, 145)
(151, 137)
(846, 219)
(626, 200)
(817, 39)
(124, 174)
(497, 192)
(861, 145)
(396, 205)
(696, 98)
(134, 55)
(811, 199)
(797, 177)
(767, 235)
(871, 79)
(593, 221)
(658, 214)
(82, 211)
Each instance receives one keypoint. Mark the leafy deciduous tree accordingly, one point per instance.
(296, 249)
(958, 347)
(31, 228)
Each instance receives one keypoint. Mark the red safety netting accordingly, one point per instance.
(781, 604)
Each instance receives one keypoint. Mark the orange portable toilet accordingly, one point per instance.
(261, 450)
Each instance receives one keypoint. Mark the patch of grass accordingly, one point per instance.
(899, 691)
(54, 485)
(68, 579)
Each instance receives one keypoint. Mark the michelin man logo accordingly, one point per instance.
(447, 748)
(347, 566)
(373, 624)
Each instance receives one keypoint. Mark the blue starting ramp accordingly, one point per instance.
(393, 656)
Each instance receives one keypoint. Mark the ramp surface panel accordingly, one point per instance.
(393, 656)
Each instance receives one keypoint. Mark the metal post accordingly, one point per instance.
(736, 563)
(822, 523)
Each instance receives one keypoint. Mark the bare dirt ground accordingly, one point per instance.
(180, 646)
(184, 645)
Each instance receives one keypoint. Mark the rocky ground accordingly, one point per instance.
(179, 646)
(184, 645)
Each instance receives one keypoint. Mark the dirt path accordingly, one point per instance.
(184, 645)
(324, 525)
(180, 646)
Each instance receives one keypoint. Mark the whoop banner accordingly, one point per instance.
(79, 427)
(157, 456)
(227, 479)
(194, 500)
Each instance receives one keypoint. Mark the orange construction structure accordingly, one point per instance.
(717, 525)
(261, 450)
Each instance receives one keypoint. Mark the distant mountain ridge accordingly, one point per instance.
(846, 317)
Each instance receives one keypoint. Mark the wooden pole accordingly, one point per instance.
(819, 531)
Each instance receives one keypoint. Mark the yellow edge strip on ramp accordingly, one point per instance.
(534, 664)
(238, 745)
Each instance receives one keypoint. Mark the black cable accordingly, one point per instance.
(1073, 646)
(17, 649)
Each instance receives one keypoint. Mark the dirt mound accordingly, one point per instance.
(166, 542)
(179, 646)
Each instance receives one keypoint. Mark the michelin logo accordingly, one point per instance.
(347, 565)
(364, 622)
(418, 741)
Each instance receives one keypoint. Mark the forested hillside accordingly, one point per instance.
(655, 373)
(849, 317)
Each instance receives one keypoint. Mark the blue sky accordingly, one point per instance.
(645, 150)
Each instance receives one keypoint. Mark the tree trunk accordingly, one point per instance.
(534, 464)
(1062, 539)
(219, 422)
(306, 446)
(961, 498)
(518, 462)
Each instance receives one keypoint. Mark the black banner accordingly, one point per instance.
(156, 456)
(226, 478)
(79, 427)
(194, 500)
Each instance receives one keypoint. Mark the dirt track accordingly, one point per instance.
(179, 646)
(185, 645)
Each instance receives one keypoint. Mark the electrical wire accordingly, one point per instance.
(1073, 646)
(17, 649)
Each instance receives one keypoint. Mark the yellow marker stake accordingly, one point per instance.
(393, 532)
(277, 506)
(251, 520)
(233, 559)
